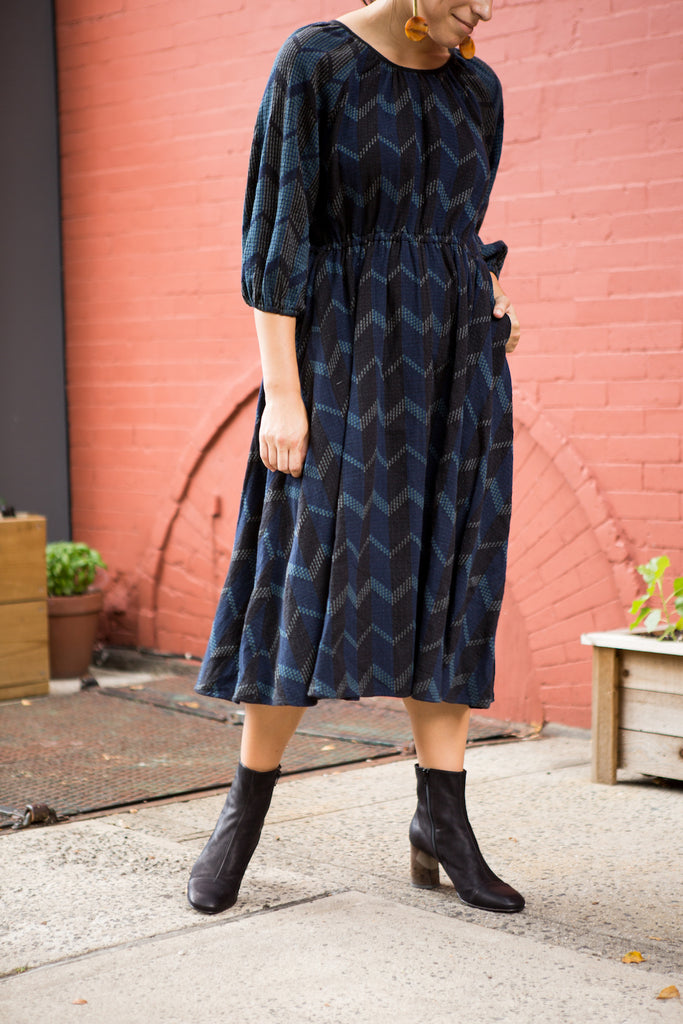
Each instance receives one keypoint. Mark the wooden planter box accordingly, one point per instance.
(637, 705)
(24, 656)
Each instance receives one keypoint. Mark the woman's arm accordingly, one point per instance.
(503, 306)
(283, 437)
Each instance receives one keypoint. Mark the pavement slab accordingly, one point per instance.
(342, 958)
(328, 928)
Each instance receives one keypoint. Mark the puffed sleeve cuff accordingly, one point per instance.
(282, 185)
(265, 306)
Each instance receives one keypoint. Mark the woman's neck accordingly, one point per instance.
(381, 25)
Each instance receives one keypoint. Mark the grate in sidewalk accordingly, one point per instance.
(109, 747)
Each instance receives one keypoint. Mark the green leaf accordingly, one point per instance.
(637, 605)
(653, 620)
(641, 615)
(654, 569)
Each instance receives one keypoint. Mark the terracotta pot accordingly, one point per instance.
(73, 625)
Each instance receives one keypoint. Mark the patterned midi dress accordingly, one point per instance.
(380, 571)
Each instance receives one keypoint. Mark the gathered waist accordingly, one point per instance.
(467, 243)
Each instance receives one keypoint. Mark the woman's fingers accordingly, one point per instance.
(283, 437)
(265, 453)
(515, 331)
(283, 459)
(296, 461)
(502, 306)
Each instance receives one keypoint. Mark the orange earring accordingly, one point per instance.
(416, 28)
(467, 48)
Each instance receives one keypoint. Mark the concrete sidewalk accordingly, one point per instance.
(328, 928)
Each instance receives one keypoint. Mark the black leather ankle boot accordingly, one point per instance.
(218, 872)
(440, 833)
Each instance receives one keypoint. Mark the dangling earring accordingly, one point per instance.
(416, 28)
(466, 48)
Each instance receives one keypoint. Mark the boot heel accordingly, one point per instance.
(424, 870)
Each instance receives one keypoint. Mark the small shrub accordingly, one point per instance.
(666, 620)
(71, 567)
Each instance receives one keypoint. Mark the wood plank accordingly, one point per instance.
(651, 754)
(605, 714)
(648, 711)
(22, 559)
(22, 691)
(24, 655)
(625, 640)
(658, 672)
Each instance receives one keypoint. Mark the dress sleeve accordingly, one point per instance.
(282, 186)
(494, 253)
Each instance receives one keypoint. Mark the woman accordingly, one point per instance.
(371, 543)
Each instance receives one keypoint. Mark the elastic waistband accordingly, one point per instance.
(389, 237)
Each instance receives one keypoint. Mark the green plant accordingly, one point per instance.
(669, 617)
(71, 567)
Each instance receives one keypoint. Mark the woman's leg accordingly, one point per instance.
(440, 733)
(440, 832)
(217, 874)
(265, 734)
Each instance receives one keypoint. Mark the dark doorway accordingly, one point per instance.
(34, 474)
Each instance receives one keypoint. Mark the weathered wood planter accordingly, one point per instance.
(637, 705)
(23, 608)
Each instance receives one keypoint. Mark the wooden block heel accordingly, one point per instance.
(424, 870)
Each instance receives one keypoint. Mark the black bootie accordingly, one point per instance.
(218, 872)
(440, 833)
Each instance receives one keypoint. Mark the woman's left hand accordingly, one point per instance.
(503, 306)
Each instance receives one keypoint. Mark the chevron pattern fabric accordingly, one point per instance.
(381, 570)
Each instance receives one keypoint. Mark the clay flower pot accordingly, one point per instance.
(72, 626)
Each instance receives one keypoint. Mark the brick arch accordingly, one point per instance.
(569, 568)
(230, 414)
(611, 535)
(569, 572)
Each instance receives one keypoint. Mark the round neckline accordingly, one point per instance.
(387, 60)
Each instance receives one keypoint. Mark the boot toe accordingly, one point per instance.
(501, 899)
(204, 895)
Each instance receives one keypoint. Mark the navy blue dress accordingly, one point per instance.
(380, 571)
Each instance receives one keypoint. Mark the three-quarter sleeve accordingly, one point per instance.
(494, 253)
(282, 186)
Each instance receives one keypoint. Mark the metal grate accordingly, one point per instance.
(87, 752)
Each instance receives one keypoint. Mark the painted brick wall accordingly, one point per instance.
(157, 102)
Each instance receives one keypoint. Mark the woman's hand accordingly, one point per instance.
(283, 435)
(503, 306)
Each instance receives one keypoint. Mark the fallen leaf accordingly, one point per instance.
(188, 703)
(670, 992)
(655, 938)
(133, 810)
(634, 957)
(26, 703)
(80, 1002)
(330, 746)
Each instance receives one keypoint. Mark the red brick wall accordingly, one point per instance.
(157, 102)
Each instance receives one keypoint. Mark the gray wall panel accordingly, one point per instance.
(33, 423)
